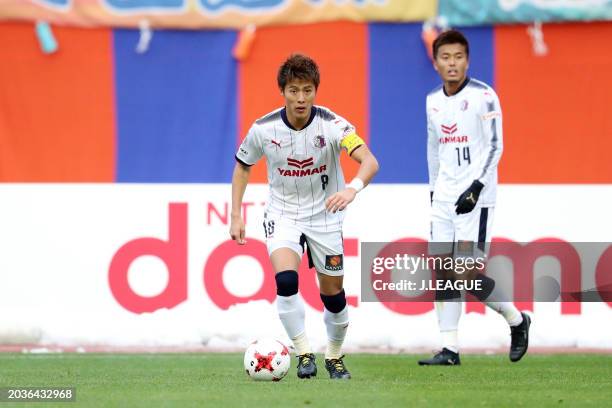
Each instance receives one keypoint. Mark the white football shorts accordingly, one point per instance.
(325, 248)
(448, 228)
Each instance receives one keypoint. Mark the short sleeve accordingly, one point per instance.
(250, 150)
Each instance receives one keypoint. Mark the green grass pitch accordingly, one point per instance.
(196, 380)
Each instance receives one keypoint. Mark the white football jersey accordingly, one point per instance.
(303, 165)
(465, 141)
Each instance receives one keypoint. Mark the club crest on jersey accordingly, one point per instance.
(333, 262)
(464, 105)
(319, 141)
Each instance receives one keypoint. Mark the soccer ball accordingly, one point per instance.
(267, 360)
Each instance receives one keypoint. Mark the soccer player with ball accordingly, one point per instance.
(464, 129)
(302, 144)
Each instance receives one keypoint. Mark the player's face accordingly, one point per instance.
(299, 96)
(451, 63)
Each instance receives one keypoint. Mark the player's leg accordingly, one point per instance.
(283, 242)
(336, 319)
(448, 303)
(476, 226)
(290, 306)
(519, 322)
(327, 254)
(472, 230)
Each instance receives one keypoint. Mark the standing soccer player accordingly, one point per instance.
(302, 144)
(464, 130)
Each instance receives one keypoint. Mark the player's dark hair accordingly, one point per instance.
(450, 37)
(298, 66)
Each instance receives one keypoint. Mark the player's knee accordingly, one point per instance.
(286, 283)
(487, 286)
(334, 303)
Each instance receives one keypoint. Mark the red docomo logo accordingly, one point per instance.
(173, 252)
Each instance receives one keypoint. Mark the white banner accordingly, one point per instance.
(145, 265)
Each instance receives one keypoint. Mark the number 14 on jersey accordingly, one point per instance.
(466, 155)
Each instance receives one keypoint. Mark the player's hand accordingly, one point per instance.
(340, 200)
(237, 230)
(467, 201)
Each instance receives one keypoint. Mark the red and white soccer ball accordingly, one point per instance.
(267, 360)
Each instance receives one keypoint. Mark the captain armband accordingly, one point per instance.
(351, 142)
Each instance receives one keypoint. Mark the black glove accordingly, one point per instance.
(431, 197)
(467, 201)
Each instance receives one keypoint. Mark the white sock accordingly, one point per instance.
(450, 340)
(291, 313)
(337, 325)
(448, 321)
(301, 344)
(508, 311)
(499, 301)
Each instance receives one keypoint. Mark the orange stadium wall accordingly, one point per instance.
(557, 107)
(57, 121)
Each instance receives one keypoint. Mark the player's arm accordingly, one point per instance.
(433, 159)
(368, 167)
(491, 122)
(240, 180)
(249, 152)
